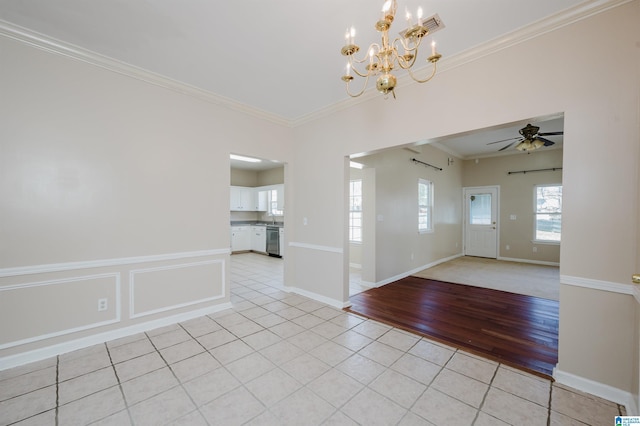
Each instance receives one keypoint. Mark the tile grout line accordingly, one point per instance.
(57, 387)
(305, 386)
(115, 372)
(178, 379)
(549, 404)
(174, 374)
(484, 398)
(427, 386)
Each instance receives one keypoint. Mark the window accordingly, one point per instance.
(425, 205)
(273, 203)
(548, 213)
(355, 210)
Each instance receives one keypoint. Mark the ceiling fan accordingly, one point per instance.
(529, 139)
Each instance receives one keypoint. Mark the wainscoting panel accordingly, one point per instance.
(38, 310)
(49, 309)
(164, 288)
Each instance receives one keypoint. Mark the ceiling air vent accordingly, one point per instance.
(433, 23)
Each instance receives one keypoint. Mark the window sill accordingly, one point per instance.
(355, 243)
(547, 242)
(428, 231)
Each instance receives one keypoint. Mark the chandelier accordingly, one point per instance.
(383, 58)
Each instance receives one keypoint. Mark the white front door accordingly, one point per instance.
(481, 221)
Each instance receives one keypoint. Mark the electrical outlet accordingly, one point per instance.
(535, 249)
(412, 257)
(507, 247)
(102, 304)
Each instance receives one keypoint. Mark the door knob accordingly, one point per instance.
(635, 278)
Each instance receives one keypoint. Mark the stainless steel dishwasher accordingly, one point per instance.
(273, 241)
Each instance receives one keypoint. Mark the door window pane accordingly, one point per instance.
(480, 209)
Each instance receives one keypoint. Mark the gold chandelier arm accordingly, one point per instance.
(372, 65)
(407, 46)
(364, 87)
(374, 46)
(433, 72)
(408, 58)
(359, 73)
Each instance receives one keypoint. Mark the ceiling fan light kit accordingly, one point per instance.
(382, 58)
(530, 139)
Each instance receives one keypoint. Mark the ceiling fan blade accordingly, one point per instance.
(551, 134)
(547, 142)
(503, 140)
(505, 147)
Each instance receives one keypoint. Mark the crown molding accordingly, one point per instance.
(548, 24)
(52, 45)
(536, 29)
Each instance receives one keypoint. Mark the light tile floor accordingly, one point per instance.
(281, 359)
(355, 282)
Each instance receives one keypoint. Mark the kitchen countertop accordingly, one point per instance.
(256, 223)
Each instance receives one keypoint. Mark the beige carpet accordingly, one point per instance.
(522, 278)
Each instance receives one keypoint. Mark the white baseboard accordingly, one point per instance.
(598, 389)
(413, 271)
(318, 297)
(40, 354)
(535, 262)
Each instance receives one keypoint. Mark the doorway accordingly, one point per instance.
(481, 221)
(257, 209)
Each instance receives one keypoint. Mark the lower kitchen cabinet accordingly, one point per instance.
(259, 238)
(281, 241)
(240, 238)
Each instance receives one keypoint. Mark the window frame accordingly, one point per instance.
(353, 212)
(428, 206)
(272, 203)
(536, 213)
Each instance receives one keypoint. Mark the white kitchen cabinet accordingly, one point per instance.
(281, 241)
(247, 199)
(242, 198)
(259, 238)
(261, 199)
(240, 238)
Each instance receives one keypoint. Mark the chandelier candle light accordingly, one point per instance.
(383, 58)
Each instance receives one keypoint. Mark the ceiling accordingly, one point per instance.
(482, 143)
(264, 164)
(280, 57)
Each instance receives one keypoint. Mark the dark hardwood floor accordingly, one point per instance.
(517, 330)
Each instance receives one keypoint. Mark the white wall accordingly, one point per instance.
(516, 198)
(400, 248)
(111, 188)
(591, 76)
